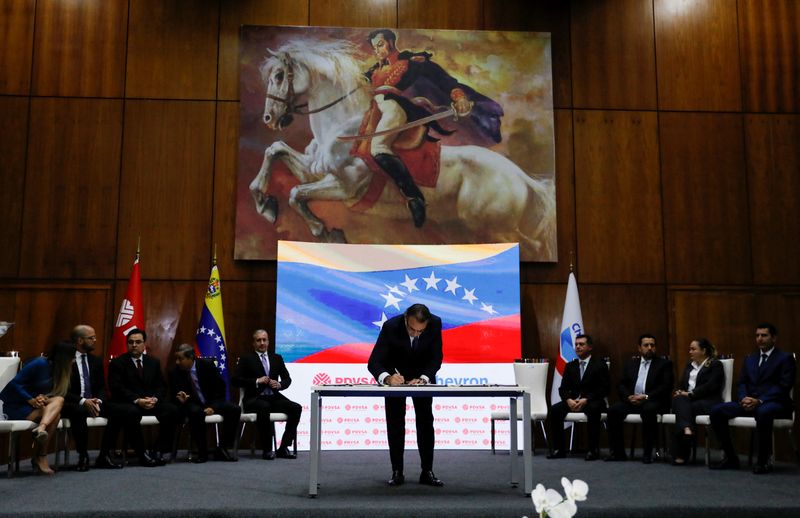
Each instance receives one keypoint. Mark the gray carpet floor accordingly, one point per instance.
(353, 484)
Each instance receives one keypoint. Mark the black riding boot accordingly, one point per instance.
(397, 170)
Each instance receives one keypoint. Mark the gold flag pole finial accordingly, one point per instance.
(138, 246)
(571, 265)
(214, 260)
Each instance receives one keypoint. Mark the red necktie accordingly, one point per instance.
(139, 368)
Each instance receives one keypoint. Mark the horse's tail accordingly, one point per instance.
(538, 229)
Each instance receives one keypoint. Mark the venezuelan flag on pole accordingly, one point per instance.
(571, 325)
(210, 336)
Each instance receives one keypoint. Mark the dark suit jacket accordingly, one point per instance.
(392, 351)
(595, 384)
(709, 384)
(250, 369)
(126, 385)
(211, 383)
(658, 385)
(773, 382)
(97, 381)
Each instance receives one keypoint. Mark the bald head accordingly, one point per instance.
(84, 338)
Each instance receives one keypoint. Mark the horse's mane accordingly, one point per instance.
(334, 60)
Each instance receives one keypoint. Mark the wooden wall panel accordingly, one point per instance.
(544, 16)
(542, 305)
(71, 191)
(80, 48)
(769, 40)
(353, 13)
(613, 55)
(172, 49)
(249, 12)
(697, 55)
(13, 141)
(618, 199)
(248, 306)
(727, 318)
(565, 208)
(45, 314)
(166, 198)
(16, 45)
(615, 316)
(705, 199)
(442, 14)
(773, 181)
(781, 308)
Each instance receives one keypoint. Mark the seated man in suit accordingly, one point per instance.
(409, 352)
(263, 375)
(765, 384)
(584, 388)
(645, 389)
(86, 397)
(199, 390)
(137, 385)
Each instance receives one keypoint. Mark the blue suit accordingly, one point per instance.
(35, 378)
(772, 384)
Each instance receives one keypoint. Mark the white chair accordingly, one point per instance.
(532, 376)
(8, 369)
(252, 417)
(214, 419)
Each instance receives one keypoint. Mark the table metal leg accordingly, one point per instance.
(315, 444)
(526, 445)
(512, 419)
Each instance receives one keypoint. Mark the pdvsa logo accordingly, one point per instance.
(355, 432)
(355, 407)
(466, 419)
(446, 431)
(446, 407)
(351, 380)
(321, 378)
(467, 407)
(467, 431)
(341, 420)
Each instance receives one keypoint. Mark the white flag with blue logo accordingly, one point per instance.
(571, 325)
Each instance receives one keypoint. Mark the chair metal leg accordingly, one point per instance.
(571, 435)
(633, 440)
(492, 436)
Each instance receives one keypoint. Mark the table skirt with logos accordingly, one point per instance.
(512, 392)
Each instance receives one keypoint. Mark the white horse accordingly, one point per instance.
(480, 196)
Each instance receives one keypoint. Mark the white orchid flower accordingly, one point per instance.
(576, 490)
(565, 509)
(544, 499)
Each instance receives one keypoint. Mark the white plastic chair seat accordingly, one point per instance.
(669, 419)
(580, 417)
(21, 425)
(504, 416)
(750, 422)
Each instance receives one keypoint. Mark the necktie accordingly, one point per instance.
(640, 381)
(265, 362)
(763, 359)
(196, 387)
(414, 343)
(139, 368)
(583, 368)
(87, 387)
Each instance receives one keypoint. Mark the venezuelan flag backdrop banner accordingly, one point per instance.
(333, 299)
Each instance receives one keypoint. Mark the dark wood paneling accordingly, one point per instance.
(167, 169)
(80, 48)
(442, 14)
(542, 306)
(16, 45)
(618, 199)
(724, 317)
(544, 16)
(613, 55)
(249, 12)
(770, 53)
(13, 141)
(248, 306)
(697, 55)
(565, 208)
(172, 49)
(227, 147)
(773, 181)
(71, 191)
(45, 314)
(353, 13)
(615, 316)
(781, 308)
(705, 199)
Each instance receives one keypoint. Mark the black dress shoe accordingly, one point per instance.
(284, 453)
(147, 461)
(726, 463)
(200, 459)
(592, 455)
(83, 464)
(762, 469)
(647, 459)
(105, 462)
(616, 457)
(268, 455)
(558, 454)
(429, 479)
(397, 478)
(158, 457)
(222, 454)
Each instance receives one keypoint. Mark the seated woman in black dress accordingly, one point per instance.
(37, 394)
(700, 389)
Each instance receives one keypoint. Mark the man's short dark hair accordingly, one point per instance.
(646, 335)
(186, 350)
(387, 35)
(420, 312)
(766, 325)
(136, 331)
(589, 340)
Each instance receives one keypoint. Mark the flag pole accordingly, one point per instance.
(138, 246)
(214, 260)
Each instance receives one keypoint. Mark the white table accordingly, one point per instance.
(510, 391)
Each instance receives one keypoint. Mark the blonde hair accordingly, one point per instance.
(61, 357)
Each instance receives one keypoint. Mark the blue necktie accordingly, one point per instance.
(87, 386)
(196, 387)
(265, 362)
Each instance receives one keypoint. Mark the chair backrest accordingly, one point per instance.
(727, 366)
(9, 366)
(533, 376)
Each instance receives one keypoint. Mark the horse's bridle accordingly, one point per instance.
(291, 107)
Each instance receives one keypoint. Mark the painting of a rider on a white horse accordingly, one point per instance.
(400, 136)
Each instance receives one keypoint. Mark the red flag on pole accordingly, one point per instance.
(131, 313)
